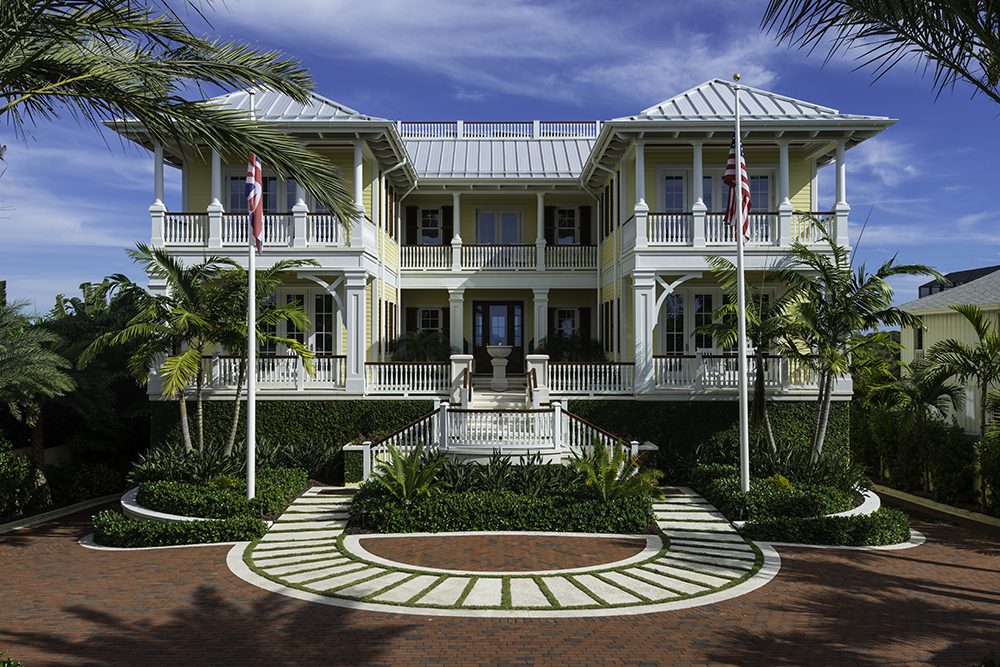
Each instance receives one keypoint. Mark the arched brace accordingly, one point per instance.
(668, 288)
(331, 288)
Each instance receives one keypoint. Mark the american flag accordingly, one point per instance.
(255, 200)
(730, 179)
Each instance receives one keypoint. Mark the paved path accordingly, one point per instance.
(705, 560)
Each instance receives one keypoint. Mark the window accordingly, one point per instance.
(498, 227)
(291, 331)
(430, 319)
(268, 345)
(567, 229)
(673, 194)
(918, 338)
(324, 324)
(566, 321)
(706, 192)
(760, 193)
(238, 193)
(430, 226)
(702, 316)
(291, 196)
(673, 324)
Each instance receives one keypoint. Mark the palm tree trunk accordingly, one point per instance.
(760, 403)
(231, 442)
(819, 408)
(824, 417)
(199, 390)
(43, 494)
(185, 427)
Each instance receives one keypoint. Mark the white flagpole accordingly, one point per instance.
(741, 310)
(251, 348)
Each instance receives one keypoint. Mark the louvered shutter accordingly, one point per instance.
(447, 224)
(586, 235)
(550, 225)
(584, 326)
(411, 319)
(412, 232)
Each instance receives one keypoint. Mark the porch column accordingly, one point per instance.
(456, 318)
(354, 304)
(157, 209)
(158, 173)
(644, 303)
(215, 207)
(841, 209)
(541, 314)
(698, 209)
(300, 215)
(456, 239)
(784, 194)
(641, 208)
(540, 232)
(357, 229)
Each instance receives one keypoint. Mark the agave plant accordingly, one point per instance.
(616, 474)
(407, 476)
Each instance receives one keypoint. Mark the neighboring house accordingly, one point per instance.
(511, 232)
(939, 322)
(954, 279)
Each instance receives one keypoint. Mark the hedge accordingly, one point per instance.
(225, 497)
(502, 511)
(692, 432)
(884, 526)
(774, 497)
(113, 529)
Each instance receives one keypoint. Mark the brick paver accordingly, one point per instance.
(65, 605)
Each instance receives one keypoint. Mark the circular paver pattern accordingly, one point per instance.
(504, 552)
(698, 560)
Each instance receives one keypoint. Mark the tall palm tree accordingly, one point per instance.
(836, 307)
(106, 60)
(978, 362)
(31, 372)
(957, 40)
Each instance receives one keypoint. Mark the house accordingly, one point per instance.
(507, 233)
(939, 322)
(954, 279)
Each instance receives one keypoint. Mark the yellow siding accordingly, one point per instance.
(366, 194)
(628, 169)
(199, 186)
(800, 183)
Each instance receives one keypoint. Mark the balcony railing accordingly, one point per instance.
(571, 257)
(721, 371)
(687, 228)
(425, 256)
(521, 257)
(218, 229)
(398, 377)
(324, 229)
(278, 229)
(276, 371)
(591, 378)
(506, 257)
(498, 130)
(185, 228)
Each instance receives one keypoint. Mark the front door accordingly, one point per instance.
(498, 323)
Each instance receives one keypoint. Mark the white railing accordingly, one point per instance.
(500, 429)
(763, 229)
(425, 256)
(721, 371)
(328, 370)
(591, 378)
(277, 372)
(417, 377)
(503, 257)
(278, 229)
(580, 436)
(571, 257)
(669, 228)
(324, 229)
(805, 230)
(185, 228)
(421, 431)
(498, 130)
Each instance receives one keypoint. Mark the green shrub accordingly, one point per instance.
(9, 662)
(885, 526)
(171, 462)
(317, 457)
(225, 496)
(113, 529)
(528, 475)
(17, 480)
(407, 476)
(769, 498)
(501, 510)
(615, 474)
(276, 488)
(991, 466)
(83, 481)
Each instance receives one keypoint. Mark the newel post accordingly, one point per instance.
(443, 426)
(366, 460)
(557, 424)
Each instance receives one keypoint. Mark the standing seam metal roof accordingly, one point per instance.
(498, 158)
(273, 106)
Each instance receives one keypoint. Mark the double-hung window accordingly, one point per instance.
(673, 324)
(430, 226)
(673, 194)
(238, 193)
(498, 227)
(324, 324)
(430, 319)
(567, 227)
(567, 320)
(703, 311)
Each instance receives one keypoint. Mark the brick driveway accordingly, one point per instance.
(62, 604)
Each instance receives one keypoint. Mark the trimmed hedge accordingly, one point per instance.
(692, 432)
(501, 510)
(113, 529)
(885, 526)
(225, 497)
(768, 498)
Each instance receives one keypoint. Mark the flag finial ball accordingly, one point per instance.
(736, 77)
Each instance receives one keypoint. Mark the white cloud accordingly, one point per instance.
(889, 160)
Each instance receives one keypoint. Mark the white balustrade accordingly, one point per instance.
(580, 436)
(806, 230)
(499, 429)
(763, 229)
(674, 371)
(277, 372)
(278, 229)
(425, 257)
(571, 257)
(408, 377)
(498, 130)
(185, 228)
(722, 372)
(591, 378)
(669, 228)
(324, 229)
(328, 370)
(498, 257)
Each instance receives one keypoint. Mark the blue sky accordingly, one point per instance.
(72, 199)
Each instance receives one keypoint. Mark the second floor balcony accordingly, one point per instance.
(709, 228)
(498, 257)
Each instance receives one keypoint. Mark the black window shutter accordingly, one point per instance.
(584, 325)
(550, 225)
(552, 322)
(447, 224)
(586, 237)
(446, 322)
(412, 233)
(411, 319)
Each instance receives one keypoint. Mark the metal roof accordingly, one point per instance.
(983, 291)
(277, 107)
(499, 158)
(714, 101)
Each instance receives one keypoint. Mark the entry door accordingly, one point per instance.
(498, 323)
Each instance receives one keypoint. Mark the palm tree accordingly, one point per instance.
(978, 362)
(31, 372)
(108, 60)
(230, 322)
(177, 324)
(835, 308)
(957, 40)
(768, 327)
(425, 345)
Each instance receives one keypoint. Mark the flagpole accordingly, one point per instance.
(251, 347)
(741, 308)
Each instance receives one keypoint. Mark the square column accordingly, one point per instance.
(698, 209)
(541, 313)
(784, 192)
(300, 214)
(215, 207)
(841, 209)
(456, 317)
(641, 208)
(157, 210)
(355, 305)
(644, 305)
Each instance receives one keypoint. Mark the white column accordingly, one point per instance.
(157, 209)
(357, 233)
(355, 304)
(216, 178)
(698, 209)
(456, 238)
(456, 317)
(541, 313)
(540, 232)
(158, 173)
(300, 215)
(841, 175)
(841, 209)
(215, 207)
(641, 208)
(784, 193)
(643, 303)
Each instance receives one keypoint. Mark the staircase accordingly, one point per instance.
(514, 398)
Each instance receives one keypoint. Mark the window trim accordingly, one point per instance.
(420, 225)
(576, 224)
(429, 309)
(518, 211)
